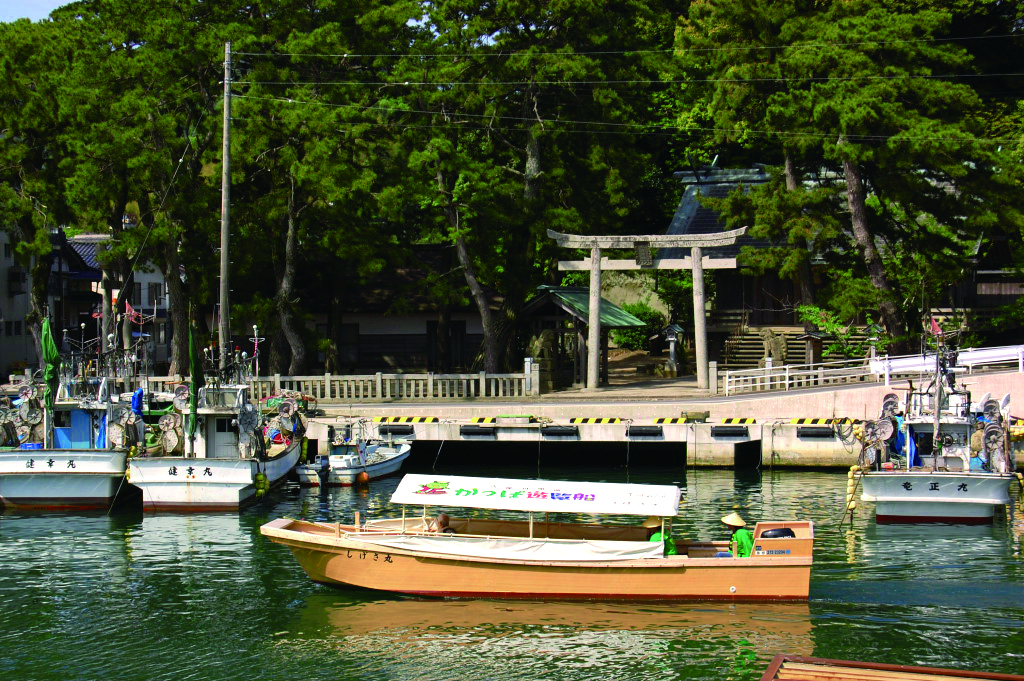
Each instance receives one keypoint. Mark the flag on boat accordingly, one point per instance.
(196, 380)
(52, 360)
(935, 330)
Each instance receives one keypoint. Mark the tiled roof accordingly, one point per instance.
(693, 218)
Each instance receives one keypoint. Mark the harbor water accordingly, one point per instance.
(204, 596)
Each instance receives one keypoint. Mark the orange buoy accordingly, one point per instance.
(362, 478)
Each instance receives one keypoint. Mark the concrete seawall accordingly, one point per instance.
(767, 435)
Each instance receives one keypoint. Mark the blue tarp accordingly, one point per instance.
(915, 460)
(101, 433)
(137, 401)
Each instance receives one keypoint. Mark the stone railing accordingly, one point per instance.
(387, 387)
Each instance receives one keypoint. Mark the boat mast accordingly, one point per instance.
(937, 436)
(223, 337)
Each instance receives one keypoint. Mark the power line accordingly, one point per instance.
(380, 83)
(746, 48)
(629, 128)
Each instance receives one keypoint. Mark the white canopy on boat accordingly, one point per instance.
(552, 496)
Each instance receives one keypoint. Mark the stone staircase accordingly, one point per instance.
(745, 350)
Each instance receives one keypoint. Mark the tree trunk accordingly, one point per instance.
(39, 278)
(805, 280)
(451, 213)
(178, 309)
(856, 200)
(285, 304)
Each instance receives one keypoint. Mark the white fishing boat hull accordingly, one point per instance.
(175, 483)
(926, 496)
(308, 475)
(346, 476)
(60, 478)
(312, 474)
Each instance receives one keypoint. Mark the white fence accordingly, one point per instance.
(868, 370)
(382, 387)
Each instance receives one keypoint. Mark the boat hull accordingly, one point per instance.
(925, 496)
(346, 477)
(71, 479)
(175, 483)
(341, 561)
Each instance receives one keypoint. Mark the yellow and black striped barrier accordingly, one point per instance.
(406, 419)
(678, 420)
(739, 421)
(483, 419)
(595, 420)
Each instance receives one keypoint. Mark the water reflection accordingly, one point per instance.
(491, 639)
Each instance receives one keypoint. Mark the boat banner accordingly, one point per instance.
(547, 496)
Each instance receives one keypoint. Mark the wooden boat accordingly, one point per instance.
(917, 463)
(798, 668)
(228, 465)
(544, 558)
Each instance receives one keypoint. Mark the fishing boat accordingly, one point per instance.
(63, 444)
(222, 463)
(934, 456)
(69, 457)
(564, 557)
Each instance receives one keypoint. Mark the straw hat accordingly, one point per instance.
(734, 520)
(653, 521)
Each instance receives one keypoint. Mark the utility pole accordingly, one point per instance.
(224, 330)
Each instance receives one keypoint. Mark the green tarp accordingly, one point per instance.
(52, 360)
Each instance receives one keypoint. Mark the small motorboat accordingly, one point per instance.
(349, 460)
(312, 474)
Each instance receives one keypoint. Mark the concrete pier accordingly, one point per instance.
(810, 428)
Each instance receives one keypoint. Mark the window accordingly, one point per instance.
(155, 293)
(7, 250)
(17, 328)
(8, 328)
(136, 298)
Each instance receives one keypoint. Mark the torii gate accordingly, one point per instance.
(697, 262)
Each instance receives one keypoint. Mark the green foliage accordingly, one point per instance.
(639, 338)
(480, 127)
(843, 339)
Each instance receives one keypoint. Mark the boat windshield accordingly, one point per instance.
(549, 496)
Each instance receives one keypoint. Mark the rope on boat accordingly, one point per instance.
(852, 484)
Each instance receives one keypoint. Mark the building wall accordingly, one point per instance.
(16, 349)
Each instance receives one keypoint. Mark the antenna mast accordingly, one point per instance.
(224, 332)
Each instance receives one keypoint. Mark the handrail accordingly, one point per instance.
(870, 369)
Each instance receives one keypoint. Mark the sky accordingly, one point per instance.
(28, 9)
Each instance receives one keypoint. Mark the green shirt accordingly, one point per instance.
(670, 544)
(744, 542)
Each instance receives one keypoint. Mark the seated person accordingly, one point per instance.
(442, 524)
(654, 533)
(741, 538)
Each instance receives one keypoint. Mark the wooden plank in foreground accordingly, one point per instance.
(798, 668)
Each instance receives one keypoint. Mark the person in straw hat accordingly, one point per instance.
(742, 541)
(654, 533)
